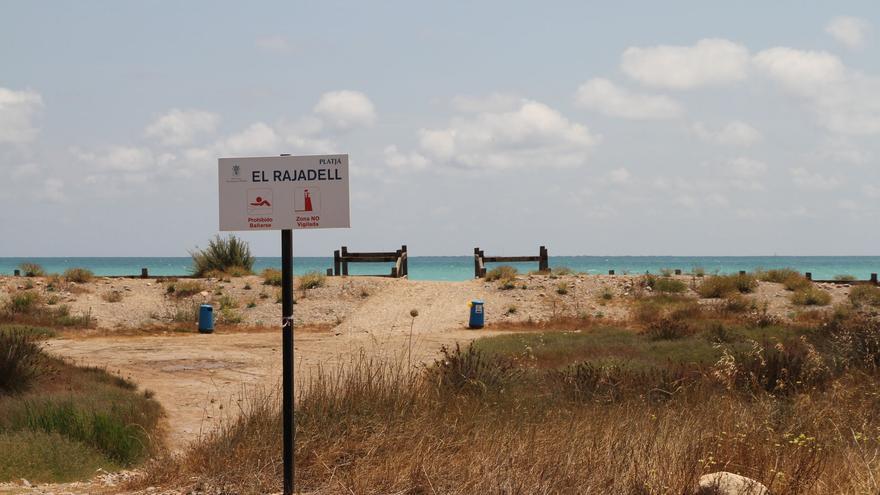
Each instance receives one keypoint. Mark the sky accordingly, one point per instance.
(638, 128)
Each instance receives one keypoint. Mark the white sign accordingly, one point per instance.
(284, 192)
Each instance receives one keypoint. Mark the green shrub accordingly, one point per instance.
(470, 371)
(78, 275)
(562, 270)
(777, 276)
(865, 295)
(48, 457)
(811, 296)
(184, 288)
(227, 302)
(503, 272)
(34, 332)
(718, 286)
(669, 285)
(230, 316)
(562, 288)
(668, 328)
(31, 270)
(271, 276)
(23, 303)
(845, 278)
(20, 361)
(228, 255)
(312, 280)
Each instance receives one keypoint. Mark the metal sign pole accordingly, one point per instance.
(287, 355)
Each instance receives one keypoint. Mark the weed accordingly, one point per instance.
(247, 287)
(251, 304)
(230, 316)
(23, 303)
(562, 288)
(843, 277)
(78, 275)
(670, 286)
(511, 310)
(864, 295)
(607, 294)
(227, 302)
(562, 270)
(31, 270)
(811, 296)
(718, 286)
(503, 272)
(185, 288)
(312, 280)
(20, 361)
(667, 329)
(271, 276)
(112, 296)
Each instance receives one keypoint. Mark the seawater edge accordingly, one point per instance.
(453, 268)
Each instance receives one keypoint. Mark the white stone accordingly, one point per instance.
(724, 483)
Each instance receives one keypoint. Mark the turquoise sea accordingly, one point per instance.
(462, 267)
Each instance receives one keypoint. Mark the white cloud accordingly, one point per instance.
(733, 133)
(115, 158)
(746, 168)
(17, 112)
(619, 176)
(180, 127)
(805, 179)
(346, 109)
(408, 161)
(53, 190)
(605, 97)
(844, 101)
(24, 170)
(871, 191)
(709, 62)
(531, 135)
(256, 138)
(851, 31)
(275, 44)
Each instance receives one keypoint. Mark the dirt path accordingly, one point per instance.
(199, 379)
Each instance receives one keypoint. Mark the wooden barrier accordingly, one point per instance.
(480, 260)
(400, 258)
(871, 281)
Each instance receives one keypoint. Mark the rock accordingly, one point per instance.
(25, 482)
(203, 293)
(724, 483)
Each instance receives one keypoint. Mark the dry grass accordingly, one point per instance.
(719, 286)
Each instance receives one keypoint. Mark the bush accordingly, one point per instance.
(858, 341)
(31, 270)
(718, 286)
(845, 278)
(811, 296)
(112, 296)
(738, 304)
(78, 275)
(469, 371)
(312, 280)
(864, 295)
(503, 272)
(783, 368)
(668, 328)
(669, 285)
(23, 303)
(184, 289)
(562, 288)
(562, 270)
(20, 361)
(228, 255)
(271, 276)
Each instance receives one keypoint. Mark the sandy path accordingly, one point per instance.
(198, 377)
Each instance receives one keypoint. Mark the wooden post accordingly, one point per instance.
(874, 278)
(610, 272)
(394, 272)
(742, 272)
(405, 264)
(344, 262)
(336, 263)
(678, 271)
(145, 273)
(476, 262)
(808, 276)
(17, 273)
(329, 272)
(544, 263)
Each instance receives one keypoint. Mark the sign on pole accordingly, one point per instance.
(284, 192)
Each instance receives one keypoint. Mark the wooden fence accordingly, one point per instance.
(342, 257)
(480, 260)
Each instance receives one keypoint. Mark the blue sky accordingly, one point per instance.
(641, 128)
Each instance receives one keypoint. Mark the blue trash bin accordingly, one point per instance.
(478, 316)
(206, 318)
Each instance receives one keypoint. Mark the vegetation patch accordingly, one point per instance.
(811, 296)
(31, 270)
(78, 275)
(184, 288)
(865, 295)
(719, 286)
(312, 280)
(272, 276)
(229, 255)
(503, 272)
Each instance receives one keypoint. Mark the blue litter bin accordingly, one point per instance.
(478, 316)
(206, 318)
